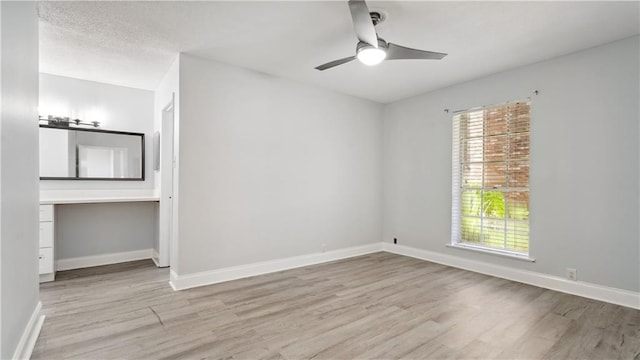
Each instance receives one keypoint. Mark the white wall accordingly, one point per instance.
(54, 145)
(584, 164)
(271, 169)
(116, 107)
(18, 172)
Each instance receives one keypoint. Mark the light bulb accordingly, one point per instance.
(371, 55)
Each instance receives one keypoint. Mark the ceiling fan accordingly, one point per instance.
(371, 49)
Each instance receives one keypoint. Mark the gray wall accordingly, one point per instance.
(584, 164)
(96, 229)
(270, 168)
(18, 171)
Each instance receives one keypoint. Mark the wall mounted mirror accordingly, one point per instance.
(90, 154)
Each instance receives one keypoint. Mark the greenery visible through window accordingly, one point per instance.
(491, 177)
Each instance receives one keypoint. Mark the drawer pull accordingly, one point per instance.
(40, 257)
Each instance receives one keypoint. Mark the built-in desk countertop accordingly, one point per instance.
(96, 196)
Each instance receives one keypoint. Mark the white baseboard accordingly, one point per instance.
(155, 257)
(30, 334)
(592, 291)
(103, 259)
(588, 290)
(181, 282)
(172, 280)
(47, 277)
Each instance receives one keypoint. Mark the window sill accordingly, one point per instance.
(507, 254)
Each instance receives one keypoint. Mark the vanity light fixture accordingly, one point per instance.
(65, 122)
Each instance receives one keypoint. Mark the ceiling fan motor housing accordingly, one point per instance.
(382, 44)
(377, 16)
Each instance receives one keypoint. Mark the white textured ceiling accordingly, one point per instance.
(134, 43)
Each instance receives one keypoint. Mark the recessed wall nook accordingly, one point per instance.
(98, 190)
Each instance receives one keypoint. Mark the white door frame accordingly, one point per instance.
(166, 184)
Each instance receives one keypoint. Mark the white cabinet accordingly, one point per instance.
(46, 262)
(45, 254)
(46, 234)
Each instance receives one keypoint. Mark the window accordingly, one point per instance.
(490, 209)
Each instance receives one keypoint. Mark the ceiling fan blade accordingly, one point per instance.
(396, 52)
(335, 63)
(362, 24)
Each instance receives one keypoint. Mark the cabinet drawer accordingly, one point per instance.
(46, 260)
(46, 212)
(46, 234)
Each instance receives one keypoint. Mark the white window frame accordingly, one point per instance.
(456, 208)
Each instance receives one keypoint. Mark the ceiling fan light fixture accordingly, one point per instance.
(371, 56)
(371, 49)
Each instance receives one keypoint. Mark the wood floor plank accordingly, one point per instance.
(369, 307)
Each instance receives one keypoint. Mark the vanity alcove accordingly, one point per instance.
(75, 215)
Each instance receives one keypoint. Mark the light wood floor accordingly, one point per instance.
(375, 306)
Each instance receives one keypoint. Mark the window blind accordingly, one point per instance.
(490, 177)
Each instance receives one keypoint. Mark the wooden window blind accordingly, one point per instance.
(491, 177)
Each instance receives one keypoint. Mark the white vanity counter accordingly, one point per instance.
(96, 196)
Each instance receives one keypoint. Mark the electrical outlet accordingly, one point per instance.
(572, 274)
(324, 247)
